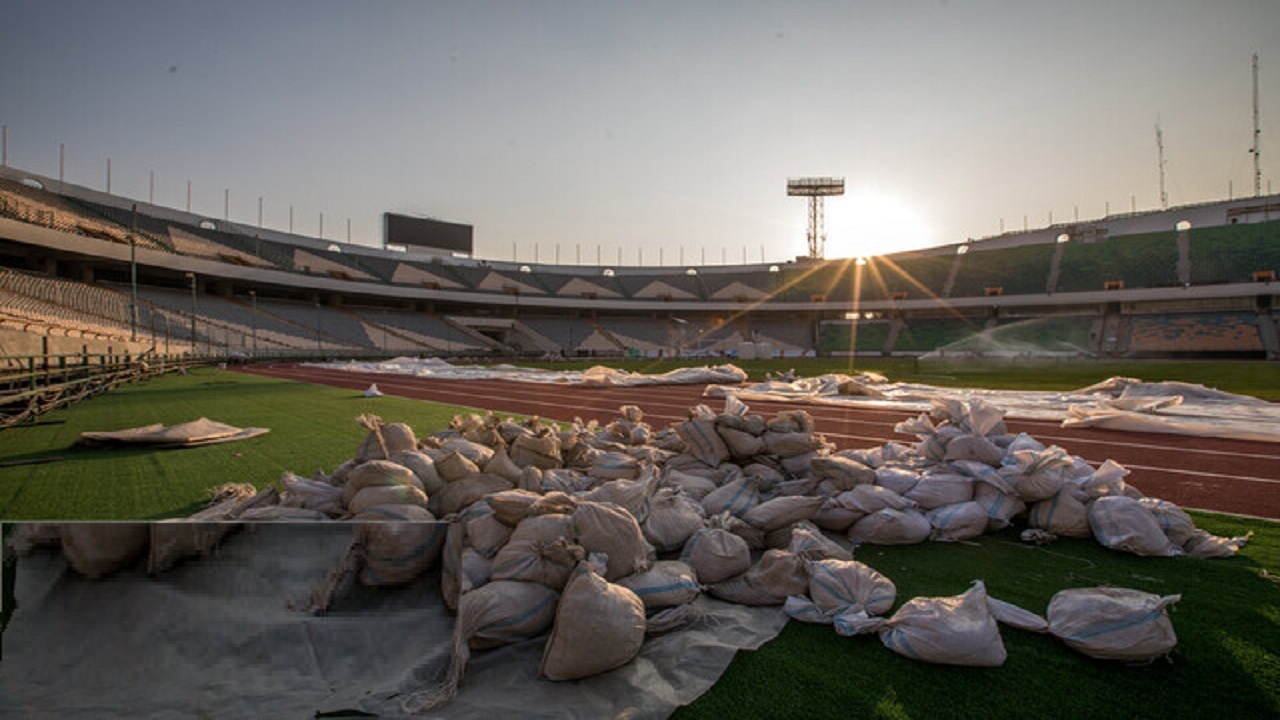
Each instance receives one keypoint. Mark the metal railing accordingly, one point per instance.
(33, 385)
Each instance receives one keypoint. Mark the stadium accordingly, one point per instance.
(1192, 282)
(252, 472)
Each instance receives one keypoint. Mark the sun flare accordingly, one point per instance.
(864, 224)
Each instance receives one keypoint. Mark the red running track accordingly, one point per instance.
(1233, 476)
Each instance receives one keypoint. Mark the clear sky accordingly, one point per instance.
(650, 126)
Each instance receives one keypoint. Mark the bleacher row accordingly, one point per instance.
(1215, 255)
(34, 302)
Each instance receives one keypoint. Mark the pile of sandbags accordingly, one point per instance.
(98, 550)
(735, 505)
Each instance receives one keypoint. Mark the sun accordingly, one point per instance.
(866, 224)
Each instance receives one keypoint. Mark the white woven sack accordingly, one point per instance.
(1113, 623)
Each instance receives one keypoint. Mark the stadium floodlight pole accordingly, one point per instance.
(816, 188)
(133, 276)
(321, 234)
(188, 196)
(4, 146)
(290, 219)
(62, 157)
(259, 211)
(108, 176)
(151, 192)
(226, 204)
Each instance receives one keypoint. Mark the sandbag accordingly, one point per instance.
(842, 472)
(423, 467)
(1122, 523)
(666, 583)
(958, 630)
(384, 441)
(461, 493)
(311, 494)
(782, 511)
(672, 519)
(777, 574)
(1038, 475)
(1064, 514)
(503, 466)
(377, 473)
(936, 490)
(974, 448)
(630, 495)
(486, 534)
(899, 480)
(891, 527)
(398, 552)
(1176, 524)
(541, 550)
(741, 444)
(599, 626)
(734, 497)
(1113, 623)
(961, 521)
(477, 453)
(809, 543)
(1001, 507)
(835, 517)
(838, 586)
(454, 466)
(99, 549)
(614, 466)
(696, 487)
(172, 542)
(512, 506)
(500, 613)
(1202, 544)
(386, 495)
(703, 442)
(867, 499)
(540, 451)
(611, 530)
(716, 554)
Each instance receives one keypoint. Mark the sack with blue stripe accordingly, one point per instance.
(1114, 623)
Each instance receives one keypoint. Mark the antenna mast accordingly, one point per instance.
(1164, 196)
(1257, 132)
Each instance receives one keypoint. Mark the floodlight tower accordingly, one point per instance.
(815, 188)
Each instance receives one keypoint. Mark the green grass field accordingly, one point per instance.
(312, 427)
(1227, 663)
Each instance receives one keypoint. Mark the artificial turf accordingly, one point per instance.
(312, 427)
(1227, 663)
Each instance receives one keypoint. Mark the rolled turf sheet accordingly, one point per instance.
(219, 638)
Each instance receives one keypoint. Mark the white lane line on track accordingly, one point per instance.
(472, 396)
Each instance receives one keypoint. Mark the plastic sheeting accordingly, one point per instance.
(218, 639)
(1117, 404)
(438, 369)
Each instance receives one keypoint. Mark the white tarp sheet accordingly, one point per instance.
(217, 639)
(438, 369)
(1118, 403)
